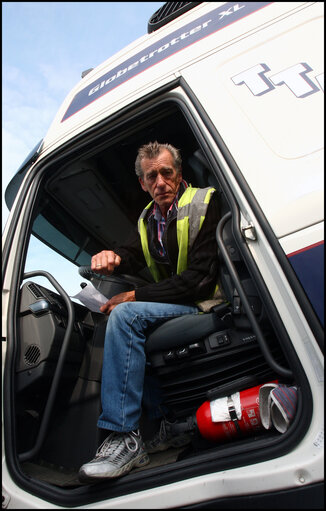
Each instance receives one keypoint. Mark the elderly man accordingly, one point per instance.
(176, 240)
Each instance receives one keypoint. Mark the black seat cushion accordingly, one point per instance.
(183, 330)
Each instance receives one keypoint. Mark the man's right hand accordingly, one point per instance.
(104, 262)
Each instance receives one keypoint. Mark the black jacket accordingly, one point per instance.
(194, 284)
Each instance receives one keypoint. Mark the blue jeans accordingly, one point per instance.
(124, 360)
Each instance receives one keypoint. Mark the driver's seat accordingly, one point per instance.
(193, 355)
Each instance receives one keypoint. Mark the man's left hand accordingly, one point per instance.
(128, 296)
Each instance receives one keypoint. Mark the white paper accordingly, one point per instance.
(265, 404)
(91, 298)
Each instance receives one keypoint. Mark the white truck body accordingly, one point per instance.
(248, 79)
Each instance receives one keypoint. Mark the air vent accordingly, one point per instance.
(84, 73)
(168, 12)
(35, 290)
(32, 355)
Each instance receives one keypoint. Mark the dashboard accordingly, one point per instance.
(42, 323)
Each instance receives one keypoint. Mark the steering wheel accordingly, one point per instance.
(87, 273)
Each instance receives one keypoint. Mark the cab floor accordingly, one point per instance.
(65, 477)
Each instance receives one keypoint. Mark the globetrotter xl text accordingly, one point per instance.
(147, 56)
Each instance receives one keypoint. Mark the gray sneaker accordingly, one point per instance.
(117, 455)
(169, 435)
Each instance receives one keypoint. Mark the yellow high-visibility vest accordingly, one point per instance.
(192, 207)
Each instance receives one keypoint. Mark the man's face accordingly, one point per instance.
(160, 179)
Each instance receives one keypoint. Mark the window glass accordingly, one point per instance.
(41, 257)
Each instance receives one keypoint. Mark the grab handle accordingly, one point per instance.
(282, 371)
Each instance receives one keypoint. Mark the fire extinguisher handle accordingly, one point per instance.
(234, 386)
(233, 413)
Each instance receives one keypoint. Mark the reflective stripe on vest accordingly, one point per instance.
(192, 207)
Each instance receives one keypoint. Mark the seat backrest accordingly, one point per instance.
(203, 175)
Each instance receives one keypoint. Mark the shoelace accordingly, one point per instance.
(161, 434)
(115, 444)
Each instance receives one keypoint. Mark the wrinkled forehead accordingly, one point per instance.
(163, 160)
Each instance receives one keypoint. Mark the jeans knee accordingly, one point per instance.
(120, 313)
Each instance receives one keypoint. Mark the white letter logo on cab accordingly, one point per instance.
(294, 77)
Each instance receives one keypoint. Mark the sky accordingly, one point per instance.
(45, 48)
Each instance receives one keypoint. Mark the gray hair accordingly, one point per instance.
(152, 150)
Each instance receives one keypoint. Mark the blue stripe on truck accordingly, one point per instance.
(308, 263)
(178, 40)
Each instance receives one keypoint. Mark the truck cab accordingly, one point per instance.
(238, 87)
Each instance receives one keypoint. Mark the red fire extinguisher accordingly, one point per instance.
(248, 424)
